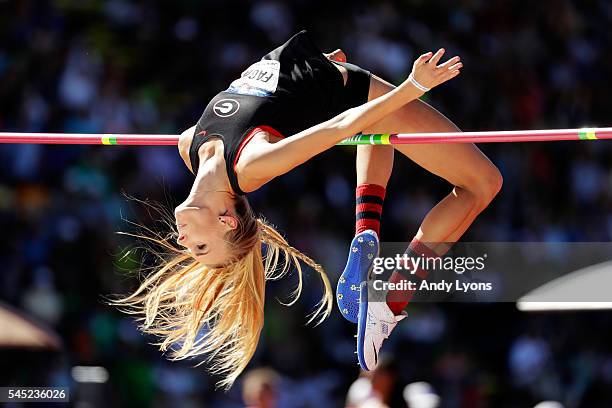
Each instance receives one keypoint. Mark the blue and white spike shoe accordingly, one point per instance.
(364, 248)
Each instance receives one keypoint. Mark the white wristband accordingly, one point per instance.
(417, 84)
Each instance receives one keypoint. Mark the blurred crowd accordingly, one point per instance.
(119, 66)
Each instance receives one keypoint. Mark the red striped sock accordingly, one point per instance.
(397, 300)
(368, 210)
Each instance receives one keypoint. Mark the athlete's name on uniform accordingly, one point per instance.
(260, 79)
(258, 74)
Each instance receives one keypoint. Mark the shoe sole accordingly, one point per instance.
(361, 325)
(364, 248)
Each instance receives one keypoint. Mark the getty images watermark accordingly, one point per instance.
(415, 266)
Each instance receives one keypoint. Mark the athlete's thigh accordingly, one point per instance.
(458, 163)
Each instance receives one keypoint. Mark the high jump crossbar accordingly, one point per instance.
(548, 135)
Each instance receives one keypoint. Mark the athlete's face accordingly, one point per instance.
(202, 228)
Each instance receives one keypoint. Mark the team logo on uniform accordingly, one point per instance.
(226, 107)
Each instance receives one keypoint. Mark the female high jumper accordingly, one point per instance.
(296, 102)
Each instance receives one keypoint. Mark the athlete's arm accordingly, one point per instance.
(261, 162)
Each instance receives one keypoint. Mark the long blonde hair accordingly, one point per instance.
(218, 311)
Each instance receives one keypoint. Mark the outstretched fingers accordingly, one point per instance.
(451, 62)
(450, 68)
(436, 58)
(426, 73)
(424, 58)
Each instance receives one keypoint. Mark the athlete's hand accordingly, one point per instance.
(428, 73)
(337, 55)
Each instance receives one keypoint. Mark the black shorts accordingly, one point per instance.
(311, 85)
(357, 86)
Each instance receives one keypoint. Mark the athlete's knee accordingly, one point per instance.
(483, 185)
(489, 183)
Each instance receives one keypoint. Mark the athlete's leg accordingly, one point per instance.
(474, 178)
(373, 167)
(475, 182)
(374, 163)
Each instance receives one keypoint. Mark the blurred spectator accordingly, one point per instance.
(375, 389)
(260, 388)
(529, 357)
(421, 395)
(359, 392)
